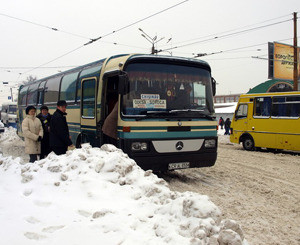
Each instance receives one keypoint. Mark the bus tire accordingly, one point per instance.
(248, 144)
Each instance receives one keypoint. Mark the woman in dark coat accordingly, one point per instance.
(45, 118)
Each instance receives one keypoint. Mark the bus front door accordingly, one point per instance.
(240, 125)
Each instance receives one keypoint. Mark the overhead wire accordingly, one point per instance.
(110, 33)
(235, 29)
(249, 46)
(136, 22)
(44, 26)
(66, 32)
(227, 35)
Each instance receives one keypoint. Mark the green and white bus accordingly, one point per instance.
(166, 117)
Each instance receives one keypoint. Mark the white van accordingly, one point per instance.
(9, 114)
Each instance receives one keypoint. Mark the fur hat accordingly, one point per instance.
(28, 108)
(44, 107)
(61, 103)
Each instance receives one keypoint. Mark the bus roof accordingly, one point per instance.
(125, 58)
(269, 94)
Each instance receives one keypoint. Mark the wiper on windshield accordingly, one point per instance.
(200, 115)
(152, 114)
(186, 110)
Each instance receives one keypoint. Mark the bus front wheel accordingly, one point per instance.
(248, 144)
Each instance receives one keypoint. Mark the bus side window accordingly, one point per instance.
(262, 107)
(41, 93)
(286, 106)
(51, 90)
(88, 98)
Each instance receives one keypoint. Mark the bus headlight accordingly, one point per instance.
(211, 143)
(139, 146)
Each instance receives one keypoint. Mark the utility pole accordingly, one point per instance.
(295, 54)
(11, 94)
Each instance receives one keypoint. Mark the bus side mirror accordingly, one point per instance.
(214, 86)
(123, 87)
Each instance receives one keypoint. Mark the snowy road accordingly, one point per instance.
(260, 189)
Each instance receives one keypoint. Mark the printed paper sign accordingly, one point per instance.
(150, 96)
(153, 104)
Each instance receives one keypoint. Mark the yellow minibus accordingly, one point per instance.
(267, 120)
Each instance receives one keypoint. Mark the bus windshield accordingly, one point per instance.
(12, 109)
(167, 89)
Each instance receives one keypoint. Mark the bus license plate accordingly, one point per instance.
(179, 165)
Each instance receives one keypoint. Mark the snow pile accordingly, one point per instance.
(1, 124)
(100, 196)
(11, 144)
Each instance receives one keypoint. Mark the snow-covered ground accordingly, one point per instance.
(100, 196)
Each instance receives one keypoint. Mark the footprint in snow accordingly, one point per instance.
(32, 220)
(27, 192)
(84, 213)
(34, 236)
(42, 204)
(52, 229)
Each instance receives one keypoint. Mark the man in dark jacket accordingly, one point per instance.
(227, 126)
(59, 130)
(45, 118)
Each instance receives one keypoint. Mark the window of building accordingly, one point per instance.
(88, 98)
(262, 107)
(51, 90)
(68, 87)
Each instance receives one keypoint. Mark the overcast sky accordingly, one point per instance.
(26, 45)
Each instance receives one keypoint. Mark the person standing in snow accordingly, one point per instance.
(109, 127)
(221, 122)
(45, 118)
(33, 133)
(227, 126)
(59, 131)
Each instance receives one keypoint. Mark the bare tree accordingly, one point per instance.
(29, 79)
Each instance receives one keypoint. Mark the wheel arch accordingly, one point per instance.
(244, 136)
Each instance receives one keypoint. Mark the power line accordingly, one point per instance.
(30, 67)
(45, 26)
(227, 35)
(250, 46)
(73, 50)
(233, 29)
(66, 32)
(108, 34)
(136, 22)
(232, 58)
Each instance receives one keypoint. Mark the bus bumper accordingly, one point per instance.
(161, 163)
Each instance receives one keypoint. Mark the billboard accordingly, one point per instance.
(281, 61)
